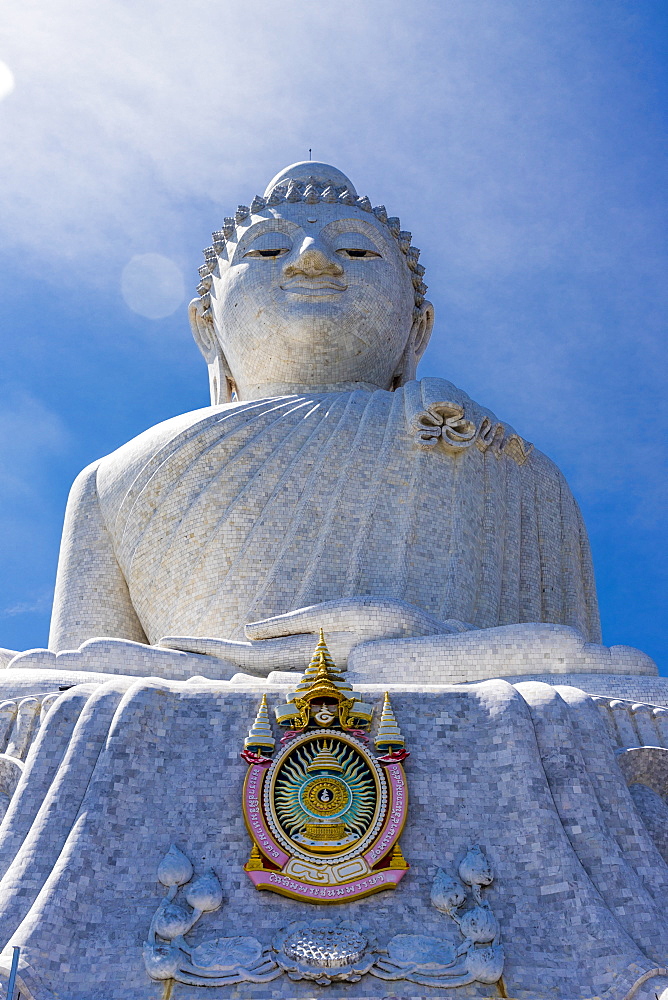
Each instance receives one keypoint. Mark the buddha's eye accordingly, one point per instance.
(274, 252)
(354, 252)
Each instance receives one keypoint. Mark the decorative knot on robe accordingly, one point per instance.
(446, 423)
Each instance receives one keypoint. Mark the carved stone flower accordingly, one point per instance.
(175, 868)
(475, 869)
(172, 920)
(324, 951)
(479, 924)
(205, 893)
(447, 893)
(161, 960)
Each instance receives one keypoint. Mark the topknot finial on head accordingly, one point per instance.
(313, 172)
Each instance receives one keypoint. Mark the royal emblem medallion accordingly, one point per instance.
(325, 814)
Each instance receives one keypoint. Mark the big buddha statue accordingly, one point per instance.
(445, 560)
(323, 476)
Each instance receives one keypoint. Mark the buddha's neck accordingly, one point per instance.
(268, 389)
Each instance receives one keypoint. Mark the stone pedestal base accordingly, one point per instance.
(122, 770)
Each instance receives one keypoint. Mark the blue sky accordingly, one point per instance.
(522, 142)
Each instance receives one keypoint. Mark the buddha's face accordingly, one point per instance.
(313, 295)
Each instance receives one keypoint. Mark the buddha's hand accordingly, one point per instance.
(286, 642)
(6, 656)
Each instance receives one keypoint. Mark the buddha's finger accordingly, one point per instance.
(292, 652)
(366, 617)
(247, 656)
(307, 620)
(223, 648)
(353, 614)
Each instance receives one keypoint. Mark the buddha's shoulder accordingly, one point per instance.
(479, 424)
(118, 470)
(115, 474)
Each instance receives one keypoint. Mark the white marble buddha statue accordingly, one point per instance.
(324, 485)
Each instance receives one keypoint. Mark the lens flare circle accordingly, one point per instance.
(152, 285)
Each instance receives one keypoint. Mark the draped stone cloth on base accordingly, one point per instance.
(235, 513)
(527, 772)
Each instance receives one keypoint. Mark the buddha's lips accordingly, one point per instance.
(314, 286)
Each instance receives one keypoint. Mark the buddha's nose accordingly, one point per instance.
(313, 262)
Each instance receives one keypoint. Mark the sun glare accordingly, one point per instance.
(7, 82)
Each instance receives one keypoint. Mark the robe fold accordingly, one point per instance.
(238, 512)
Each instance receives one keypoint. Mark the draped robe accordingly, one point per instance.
(243, 511)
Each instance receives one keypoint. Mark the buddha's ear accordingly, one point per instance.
(201, 325)
(423, 324)
(221, 382)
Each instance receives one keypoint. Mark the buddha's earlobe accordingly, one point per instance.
(221, 382)
(416, 345)
(423, 324)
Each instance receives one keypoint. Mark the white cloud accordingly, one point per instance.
(40, 604)
(30, 435)
(474, 118)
